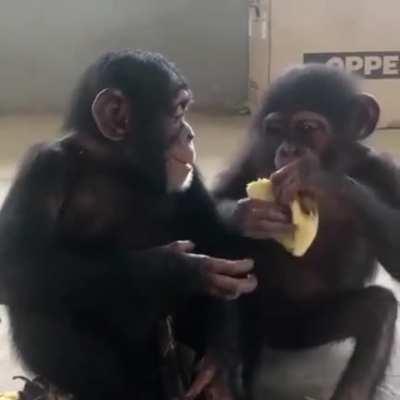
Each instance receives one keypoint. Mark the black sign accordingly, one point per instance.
(370, 65)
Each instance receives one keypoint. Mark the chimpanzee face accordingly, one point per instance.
(294, 133)
(116, 121)
(180, 153)
(312, 108)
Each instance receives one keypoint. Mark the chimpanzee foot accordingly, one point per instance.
(354, 392)
(39, 389)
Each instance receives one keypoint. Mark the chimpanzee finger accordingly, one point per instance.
(250, 204)
(229, 288)
(229, 267)
(205, 376)
(261, 235)
(258, 235)
(307, 204)
(277, 176)
(275, 228)
(218, 390)
(278, 186)
(272, 212)
(180, 246)
(256, 203)
(288, 192)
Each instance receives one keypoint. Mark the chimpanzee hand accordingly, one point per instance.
(180, 246)
(260, 219)
(302, 176)
(209, 382)
(226, 279)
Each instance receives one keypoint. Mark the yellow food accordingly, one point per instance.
(9, 396)
(306, 223)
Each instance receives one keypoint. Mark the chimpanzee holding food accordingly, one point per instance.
(327, 213)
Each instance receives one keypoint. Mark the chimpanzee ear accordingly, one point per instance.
(110, 110)
(367, 115)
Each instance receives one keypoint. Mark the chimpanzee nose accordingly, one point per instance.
(289, 150)
(286, 153)
(189, 133)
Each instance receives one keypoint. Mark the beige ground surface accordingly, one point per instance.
(288, 376)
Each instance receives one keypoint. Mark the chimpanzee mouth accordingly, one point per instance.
(185, 163)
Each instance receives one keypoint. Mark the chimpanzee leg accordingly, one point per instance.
(369, 316)
(253, 328)
(251, 362)
(70, 360)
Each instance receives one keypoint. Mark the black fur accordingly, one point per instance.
(325, 90)
(85, 283)
(321, 297)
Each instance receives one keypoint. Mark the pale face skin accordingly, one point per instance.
(181, 153)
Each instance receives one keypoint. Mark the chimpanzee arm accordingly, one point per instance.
(231, 187)
(199, 221)
(39, 268)
(374, 191)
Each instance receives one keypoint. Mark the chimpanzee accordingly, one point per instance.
(86, 262)
(307, 136)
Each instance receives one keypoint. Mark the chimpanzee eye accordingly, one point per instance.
(179, 113)
(307, 127)
(177, 120)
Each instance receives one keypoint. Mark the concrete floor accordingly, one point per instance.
(285, 376)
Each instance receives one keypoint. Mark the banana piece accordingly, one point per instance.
(306, 223)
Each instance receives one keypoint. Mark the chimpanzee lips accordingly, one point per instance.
(188, 165)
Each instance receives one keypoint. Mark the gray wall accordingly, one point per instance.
(45, 45)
